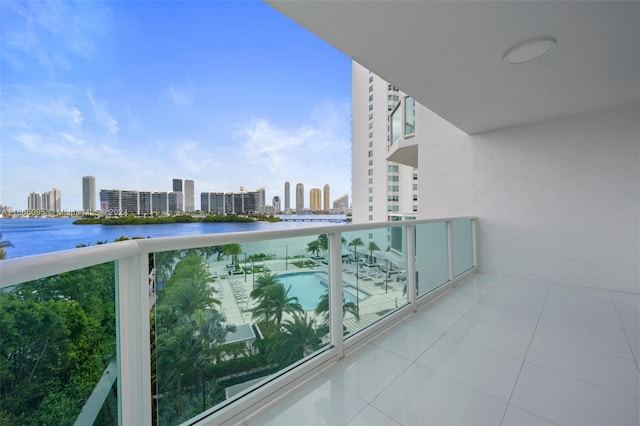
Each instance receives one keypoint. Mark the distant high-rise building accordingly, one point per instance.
(315, 199)
(88, 193)
(276, 204)
(326, 198)
(177, 185)
(341, 204)
(144, 202)
(55, 200)
(160, 202)
(262, 199)
(189, 195)
(175, 202)
(34, 201)
(299, 197)
(287, 197)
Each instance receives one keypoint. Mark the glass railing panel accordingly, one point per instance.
(374, 269)
(230, 317)
(462, 246)
(432, 264)
(57, 343)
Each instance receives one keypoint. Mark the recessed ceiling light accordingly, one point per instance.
(529, 50)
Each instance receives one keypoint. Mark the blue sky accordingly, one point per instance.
(137, 93)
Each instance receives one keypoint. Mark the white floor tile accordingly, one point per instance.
(588, 306)
(614, 373)
(485, 370)
(436, 317)
(518, 417)
(407, 341)
(317, 402)
(367, 372)
(563, 325)
(423, 397)
(372, 417)
(506, 341)
(568, 401)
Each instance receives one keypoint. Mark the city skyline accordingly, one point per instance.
(102, 89)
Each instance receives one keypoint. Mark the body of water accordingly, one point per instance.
(44, 235)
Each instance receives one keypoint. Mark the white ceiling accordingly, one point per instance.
(448, 54)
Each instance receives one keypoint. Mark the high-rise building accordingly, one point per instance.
(382, 189)
(277, 208)
(326, 205)
(88, 193)
(55, 200)
(341, 204)
(262, 199)
(315, 199)
(34, 201)
(287, 197)
(159, 202)
(189, 195)
(175, 202)
(177, 185)
(299, 197)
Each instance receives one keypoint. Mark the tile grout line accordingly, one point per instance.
(533, 334)
(624, 330)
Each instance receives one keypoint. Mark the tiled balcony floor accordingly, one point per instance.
(492, 351)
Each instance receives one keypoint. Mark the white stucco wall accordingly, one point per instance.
(557, 200)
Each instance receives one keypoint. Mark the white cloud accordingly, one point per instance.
(180, 95)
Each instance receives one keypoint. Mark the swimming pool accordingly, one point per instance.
(308, 287)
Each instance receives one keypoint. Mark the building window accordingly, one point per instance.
(370, 126)
(370, 181)
(370, 190)
(371, 116)
(370, 78)
(370, 88)
(415, 176)
(371, 199)
(394, 98)
(393, 169)
(370, 134)
(393, 209)
(370, 98)
(393, 178)
(390, 107)
(370, 172)
(415, 186)
(415, 208)
(370, 208)
(370, 107)
(392, 188)
(370, 144)
(370, 218)
(392, 198)
(409, 116)
(415, 197)
(370, 153)
(371, 162)
(396, 125)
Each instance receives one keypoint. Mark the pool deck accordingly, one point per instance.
(233, 291)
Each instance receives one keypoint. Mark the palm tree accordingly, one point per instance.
(188, 288)
(232, 250)
(273, 302)
(297, 340)
(263, 280)
(372, 247)
(4, 244)
(323, 242)
(313, 247)
(347, 307)
(355, 243)
(163, 262)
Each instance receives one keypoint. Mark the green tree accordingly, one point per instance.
(323, 308)
(273, 302)
(4, 244)
(297, 340)
(233, 251)
(372, 247)
(323, 242)
(313, 247)
(355, 243)
(263, 280)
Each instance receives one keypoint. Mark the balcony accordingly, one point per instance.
(434, 342)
